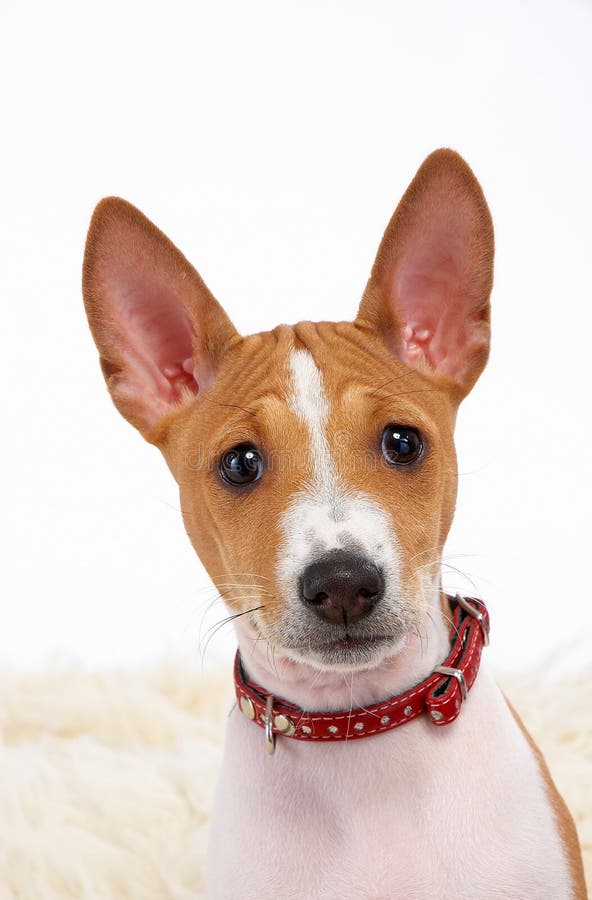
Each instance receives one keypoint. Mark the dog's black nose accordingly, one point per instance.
(342, 587)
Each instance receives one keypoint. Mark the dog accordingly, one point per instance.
(369, 753)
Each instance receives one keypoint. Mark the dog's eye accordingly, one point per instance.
(241, 465)
(401, 445)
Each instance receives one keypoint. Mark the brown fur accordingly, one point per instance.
(563, 817)
(255, 372)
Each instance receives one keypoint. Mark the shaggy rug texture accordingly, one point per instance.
(106, 778)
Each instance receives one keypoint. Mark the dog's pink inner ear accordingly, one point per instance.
(149, 345)
(429, 289)
(158, 329)
(442, 322)
(158, 333)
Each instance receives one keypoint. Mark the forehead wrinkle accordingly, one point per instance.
(251, 422)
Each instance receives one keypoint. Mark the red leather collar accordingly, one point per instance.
(441, 694)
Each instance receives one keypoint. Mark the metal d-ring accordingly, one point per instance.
(477, 615)
(269, 735)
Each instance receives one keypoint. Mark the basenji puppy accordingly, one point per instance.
(369, 755)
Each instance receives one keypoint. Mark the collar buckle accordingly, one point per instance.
(454, 673)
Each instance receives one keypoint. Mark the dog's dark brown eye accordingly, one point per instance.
(401, 445)
(241, 465)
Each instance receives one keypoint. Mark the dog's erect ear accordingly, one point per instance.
(428, 294)
(158, 329)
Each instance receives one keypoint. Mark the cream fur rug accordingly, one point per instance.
(106, 778)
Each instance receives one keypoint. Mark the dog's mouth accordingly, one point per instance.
(353, 641)
(323, 645)
(349, 651)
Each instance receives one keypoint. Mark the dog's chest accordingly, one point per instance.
(415, 814)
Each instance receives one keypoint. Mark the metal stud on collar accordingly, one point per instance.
(284, 724)
(247, 706)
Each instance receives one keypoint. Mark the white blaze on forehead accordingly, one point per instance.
(310, 403)
(327, 514)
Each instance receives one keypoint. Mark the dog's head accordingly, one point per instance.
(315, 462)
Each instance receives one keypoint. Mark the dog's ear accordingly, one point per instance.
(428, 294)
(158, 329)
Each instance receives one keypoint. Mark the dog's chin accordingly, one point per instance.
(348, 654)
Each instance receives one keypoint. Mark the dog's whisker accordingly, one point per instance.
(463, 575)
(392, 381)
(310, 686)
(274, 661)
(351, 693)
(432, 549)
(255, 575)
(420, 638)
(214, 629)
(404, 393)
(445, 616)
(227, 589)
(226, 603)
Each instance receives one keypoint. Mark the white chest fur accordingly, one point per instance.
(458, 813)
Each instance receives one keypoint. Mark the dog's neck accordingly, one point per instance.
(312, 689)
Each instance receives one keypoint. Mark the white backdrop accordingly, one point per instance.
(272, 141)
